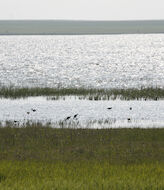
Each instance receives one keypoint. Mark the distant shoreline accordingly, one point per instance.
(75, 27)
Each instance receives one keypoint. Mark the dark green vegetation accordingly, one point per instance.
(118, 146)
(37, 157)
(91, 94)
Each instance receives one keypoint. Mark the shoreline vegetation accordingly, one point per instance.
(41, 157)
(84, 93)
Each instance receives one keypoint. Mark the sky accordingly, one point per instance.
(82, 9)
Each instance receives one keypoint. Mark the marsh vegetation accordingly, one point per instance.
(84, 93)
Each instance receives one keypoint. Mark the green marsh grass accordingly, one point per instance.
(80, 176)
(36, 157)
(83, 93)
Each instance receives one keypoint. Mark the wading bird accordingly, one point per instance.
(68, 118)
(75, 116)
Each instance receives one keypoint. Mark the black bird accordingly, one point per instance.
(129, 119)
(68, 118)
(28, 112)
(75, 116)
(15, 121)
(34, 110)
(156, 98)
(130, 108)
(109, 108)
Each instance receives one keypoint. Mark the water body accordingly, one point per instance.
(69, 27)
(102, 61)
(92, 114)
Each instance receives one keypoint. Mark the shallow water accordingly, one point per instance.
(109, 61)
(92, 114)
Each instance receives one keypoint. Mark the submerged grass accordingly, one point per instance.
(39, 157)
(91, 94)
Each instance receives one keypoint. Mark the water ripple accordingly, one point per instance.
(109, 61)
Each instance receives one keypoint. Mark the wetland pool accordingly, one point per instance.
(93, 114)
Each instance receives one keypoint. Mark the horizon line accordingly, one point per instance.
(81, 20)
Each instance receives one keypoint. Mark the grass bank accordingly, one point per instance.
(91, 94)
(39, 157)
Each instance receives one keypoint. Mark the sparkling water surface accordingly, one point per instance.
(105, 61)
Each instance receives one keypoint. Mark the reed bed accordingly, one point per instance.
(84, 93)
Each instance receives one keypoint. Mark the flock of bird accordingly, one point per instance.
(69, 117)
(127, 118)
(75, 116)
(33, 110)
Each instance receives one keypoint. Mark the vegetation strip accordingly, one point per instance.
(38, 157)
(91, 94)
(117, 146)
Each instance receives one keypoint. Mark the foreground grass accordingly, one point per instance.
(37, 157)
(91, 94)
(80, 176)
